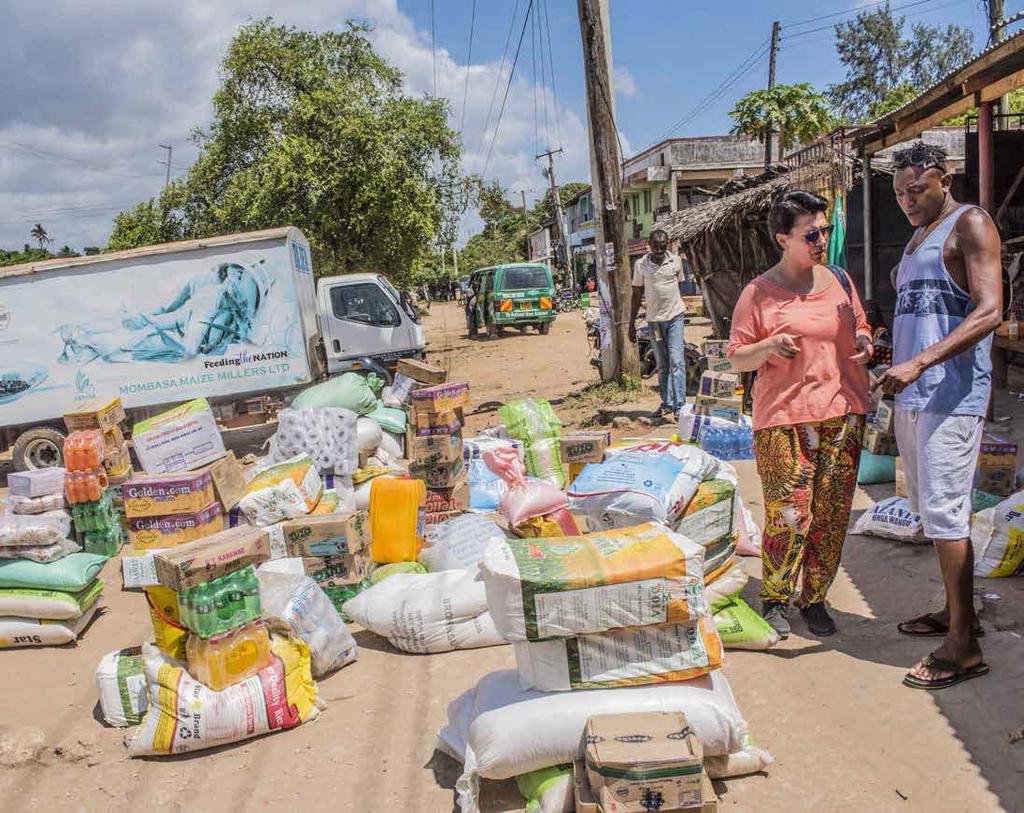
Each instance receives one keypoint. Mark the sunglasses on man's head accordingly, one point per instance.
(814, 235)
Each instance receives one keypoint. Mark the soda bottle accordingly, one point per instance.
(253, 608)
(201, 617)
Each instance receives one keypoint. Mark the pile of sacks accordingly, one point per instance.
(49, 589)
(235, 653)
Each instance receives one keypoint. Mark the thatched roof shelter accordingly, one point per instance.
(727, 240)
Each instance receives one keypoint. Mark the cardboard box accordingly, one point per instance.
(448, 500)
(584, 447)
(172, 530)
(216, 555)
(715, 348)
(228, 480)
(997, 467)
(183, 438)
(422, 372)
(719, 385)
(36, 483)
(113, 441)
(587, 803)
(338, 576)
(884, 416)
(881, 443)
(717, 365)
(99, 413)
(901, 479)
(443, 475)
(443, 398)
(138, 568)
(320, 536)
(643, 761)
(119, 464)
(728, 408)
(442, 423)
(435, 449)
(437, 517)
(164, 494)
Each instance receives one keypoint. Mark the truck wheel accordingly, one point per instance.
(544, 328)
(38, 448)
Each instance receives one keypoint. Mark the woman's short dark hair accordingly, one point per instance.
(789, 206)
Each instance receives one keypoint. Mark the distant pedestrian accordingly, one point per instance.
(656, 278)
(948, 301)
(801, 326)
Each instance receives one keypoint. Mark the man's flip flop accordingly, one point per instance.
(936, 629)
(960, 674)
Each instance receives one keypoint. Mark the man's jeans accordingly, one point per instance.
(667, 338)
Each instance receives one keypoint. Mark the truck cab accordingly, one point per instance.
(365, 322)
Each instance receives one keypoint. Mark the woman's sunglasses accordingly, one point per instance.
(813, 236)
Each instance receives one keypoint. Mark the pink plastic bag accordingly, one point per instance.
(524, 499)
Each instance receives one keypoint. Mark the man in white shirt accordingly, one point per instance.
(656, 278)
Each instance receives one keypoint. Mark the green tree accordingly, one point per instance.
(39, 234)
(26, 255)
(1016, 106)
(894, 98)
(502, 238)
(878, 58)
(544, 209)
(157, 220)
(314, 130)
(798, 113)
(67, 251)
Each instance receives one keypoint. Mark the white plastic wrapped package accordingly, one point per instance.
(391, 444)
(748, 534)
(633, 487)
(891, 519)
(565, 586)
(997, 535)
(460, 543)
(308, 612)
(368, 434)
(185, 716)
(696, 459)
(121, 685)
(691, 423)
(544, 461)
(327, 434)
(41, 553)
(17, 632)
(729, 583)
(282, 490)
(426, 612)
(485, 487)
(35, 505)
(499, 730)
(34, 531)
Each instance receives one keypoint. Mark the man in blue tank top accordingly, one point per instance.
(948, 302)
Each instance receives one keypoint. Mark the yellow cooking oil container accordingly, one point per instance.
(397, 506)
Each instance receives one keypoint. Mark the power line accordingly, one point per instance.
(497, 79)
(745, 66)
(512, 73)
(469, 60)
(50, 156)
(543, 82)
(533, 78)
(554, 88)
(848, 13)
(829, 37)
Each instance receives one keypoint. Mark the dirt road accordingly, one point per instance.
(845, 734)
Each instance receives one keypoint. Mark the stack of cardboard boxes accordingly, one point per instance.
(878, 434)
(639, 762)
(434, 439)
(577, 449)
(719, 384)
(997, 467)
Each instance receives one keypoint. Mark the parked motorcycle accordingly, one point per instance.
(645, 350)
(566, 301)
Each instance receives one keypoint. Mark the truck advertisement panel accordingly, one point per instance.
(158, 329)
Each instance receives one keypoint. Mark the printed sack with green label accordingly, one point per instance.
(70, 574)
(740, 627)
(32, 602)
(997, 535)
(121, 684)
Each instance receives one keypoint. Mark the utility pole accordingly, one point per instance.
(620, 358)
(772, 51)
(526, 225)
(167, 163)
(996, 33)
(562, 245)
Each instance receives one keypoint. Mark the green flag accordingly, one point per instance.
(837, 240)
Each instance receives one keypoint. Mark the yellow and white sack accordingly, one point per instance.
(121, 685)
(16, 632)
(997, 535)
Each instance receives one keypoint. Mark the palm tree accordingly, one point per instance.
(39, 234)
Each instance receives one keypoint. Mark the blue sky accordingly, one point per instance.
(91, 87)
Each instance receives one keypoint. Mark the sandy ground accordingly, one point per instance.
(845, 734)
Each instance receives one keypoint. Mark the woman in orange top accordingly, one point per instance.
(801, 325)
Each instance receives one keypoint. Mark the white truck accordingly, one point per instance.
(237, 319)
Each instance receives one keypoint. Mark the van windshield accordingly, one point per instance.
(520, 278)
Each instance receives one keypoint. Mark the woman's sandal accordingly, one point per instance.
(936, 629)
(960, 674)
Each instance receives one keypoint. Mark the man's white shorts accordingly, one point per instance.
(940, 455)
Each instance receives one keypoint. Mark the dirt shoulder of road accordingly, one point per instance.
(844, 733)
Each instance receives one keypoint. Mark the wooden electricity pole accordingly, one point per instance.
(772, 51)
(561, 248)
(620, 359)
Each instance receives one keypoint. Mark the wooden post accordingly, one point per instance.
(985, 168)
(869, 260)
(606, 171)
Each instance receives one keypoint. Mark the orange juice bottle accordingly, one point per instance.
(83, 450)
(397, 506)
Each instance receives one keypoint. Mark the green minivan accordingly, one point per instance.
(517, 294)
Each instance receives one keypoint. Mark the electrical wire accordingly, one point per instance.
(849, 13)
(554, 88)
(49, 156)
(512, 73)
(497, 79)
(469, 60)
(543, 81)
(829, 37)
(533, 80)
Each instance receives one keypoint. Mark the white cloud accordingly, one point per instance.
(625, 84)
(91, 88)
